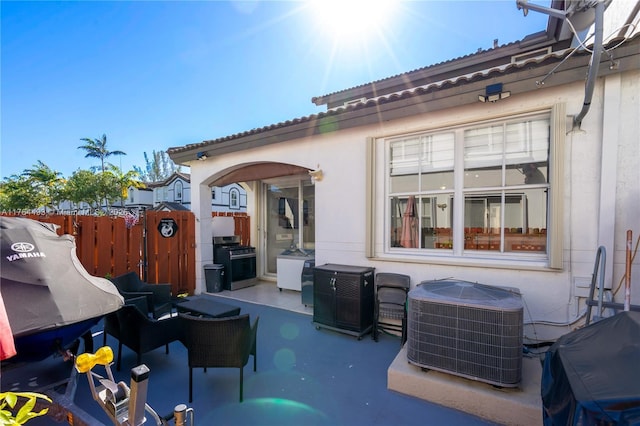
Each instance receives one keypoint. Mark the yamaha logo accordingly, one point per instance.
(24, 251)
(22, 247)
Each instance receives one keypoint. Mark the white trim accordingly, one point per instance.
(555, 228)
(608, 170)
(507, 258)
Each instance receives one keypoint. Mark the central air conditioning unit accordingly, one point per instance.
(467, 329)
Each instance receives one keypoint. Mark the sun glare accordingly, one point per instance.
(352, 20)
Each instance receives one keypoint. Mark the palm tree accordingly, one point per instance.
(97, 148)
(46, 181)
(124, 181)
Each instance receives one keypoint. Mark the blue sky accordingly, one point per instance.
(157, 74)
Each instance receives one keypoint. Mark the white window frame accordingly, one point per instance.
(378, 244)
(234, 199)
(178, 189)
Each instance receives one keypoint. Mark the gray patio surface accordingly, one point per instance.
(305, 376)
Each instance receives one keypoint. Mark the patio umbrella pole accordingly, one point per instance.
(627, 275)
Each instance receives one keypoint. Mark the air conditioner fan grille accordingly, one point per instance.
(481, 343)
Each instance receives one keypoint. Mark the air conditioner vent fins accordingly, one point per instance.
(467, 329)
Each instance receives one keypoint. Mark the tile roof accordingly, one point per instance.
(170, 206)
(318, 100)
(418, 90)
(551, 58)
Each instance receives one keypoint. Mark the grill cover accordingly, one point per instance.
(591, 376)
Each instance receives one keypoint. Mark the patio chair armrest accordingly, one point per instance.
(140, 302)
(161, 292)
(129, 295)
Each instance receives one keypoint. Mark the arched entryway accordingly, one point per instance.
(283, 208)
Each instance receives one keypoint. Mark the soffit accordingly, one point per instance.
(259, 171)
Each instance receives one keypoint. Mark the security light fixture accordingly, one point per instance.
(493, 93)
(201, 155)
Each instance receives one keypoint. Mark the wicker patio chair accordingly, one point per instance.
(390, 312)
(219, 342)
(140, 333)
(111, 323)
(158, 296)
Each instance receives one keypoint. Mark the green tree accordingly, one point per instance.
(84, 187)
(124, 181)
(96, 189)
(158, 168)
(97, 148)
(47, 182)
(109, 188)
(17, 193)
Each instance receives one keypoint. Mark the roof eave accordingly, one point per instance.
(464, 90)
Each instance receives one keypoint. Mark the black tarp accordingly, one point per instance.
(45, 288)
(591, 376)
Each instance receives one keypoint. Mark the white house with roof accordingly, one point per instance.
(509, 167)
(174, 193)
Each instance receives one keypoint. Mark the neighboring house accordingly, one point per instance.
(174, 193)
(498, 167)
(69, 207)
(174, 189)
(139, 197)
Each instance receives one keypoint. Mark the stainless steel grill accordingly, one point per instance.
(239, 261)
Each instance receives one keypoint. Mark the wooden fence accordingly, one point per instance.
(242, 225)
(108, 246)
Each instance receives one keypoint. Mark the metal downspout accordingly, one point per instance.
(593, 66)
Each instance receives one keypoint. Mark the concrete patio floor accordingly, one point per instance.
(337, 379)
(521, 406)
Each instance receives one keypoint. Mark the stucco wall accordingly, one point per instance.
(597, 210)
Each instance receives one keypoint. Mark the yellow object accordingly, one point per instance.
(85, 362)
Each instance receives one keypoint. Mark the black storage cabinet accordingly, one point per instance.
(343, 298)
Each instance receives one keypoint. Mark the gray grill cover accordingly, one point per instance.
(591, 376)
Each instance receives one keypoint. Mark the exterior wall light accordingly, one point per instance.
(201, 155)
(316, 175)
(493, 93)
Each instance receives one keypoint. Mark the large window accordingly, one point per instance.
(482, 188)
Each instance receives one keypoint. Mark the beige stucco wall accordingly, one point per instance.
(601, 197)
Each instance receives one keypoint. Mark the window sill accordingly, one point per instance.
(524, 262)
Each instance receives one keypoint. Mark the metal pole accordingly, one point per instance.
(627, 274)
(144, 245)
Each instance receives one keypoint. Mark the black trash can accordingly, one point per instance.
(214, 277)
(307, 282)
